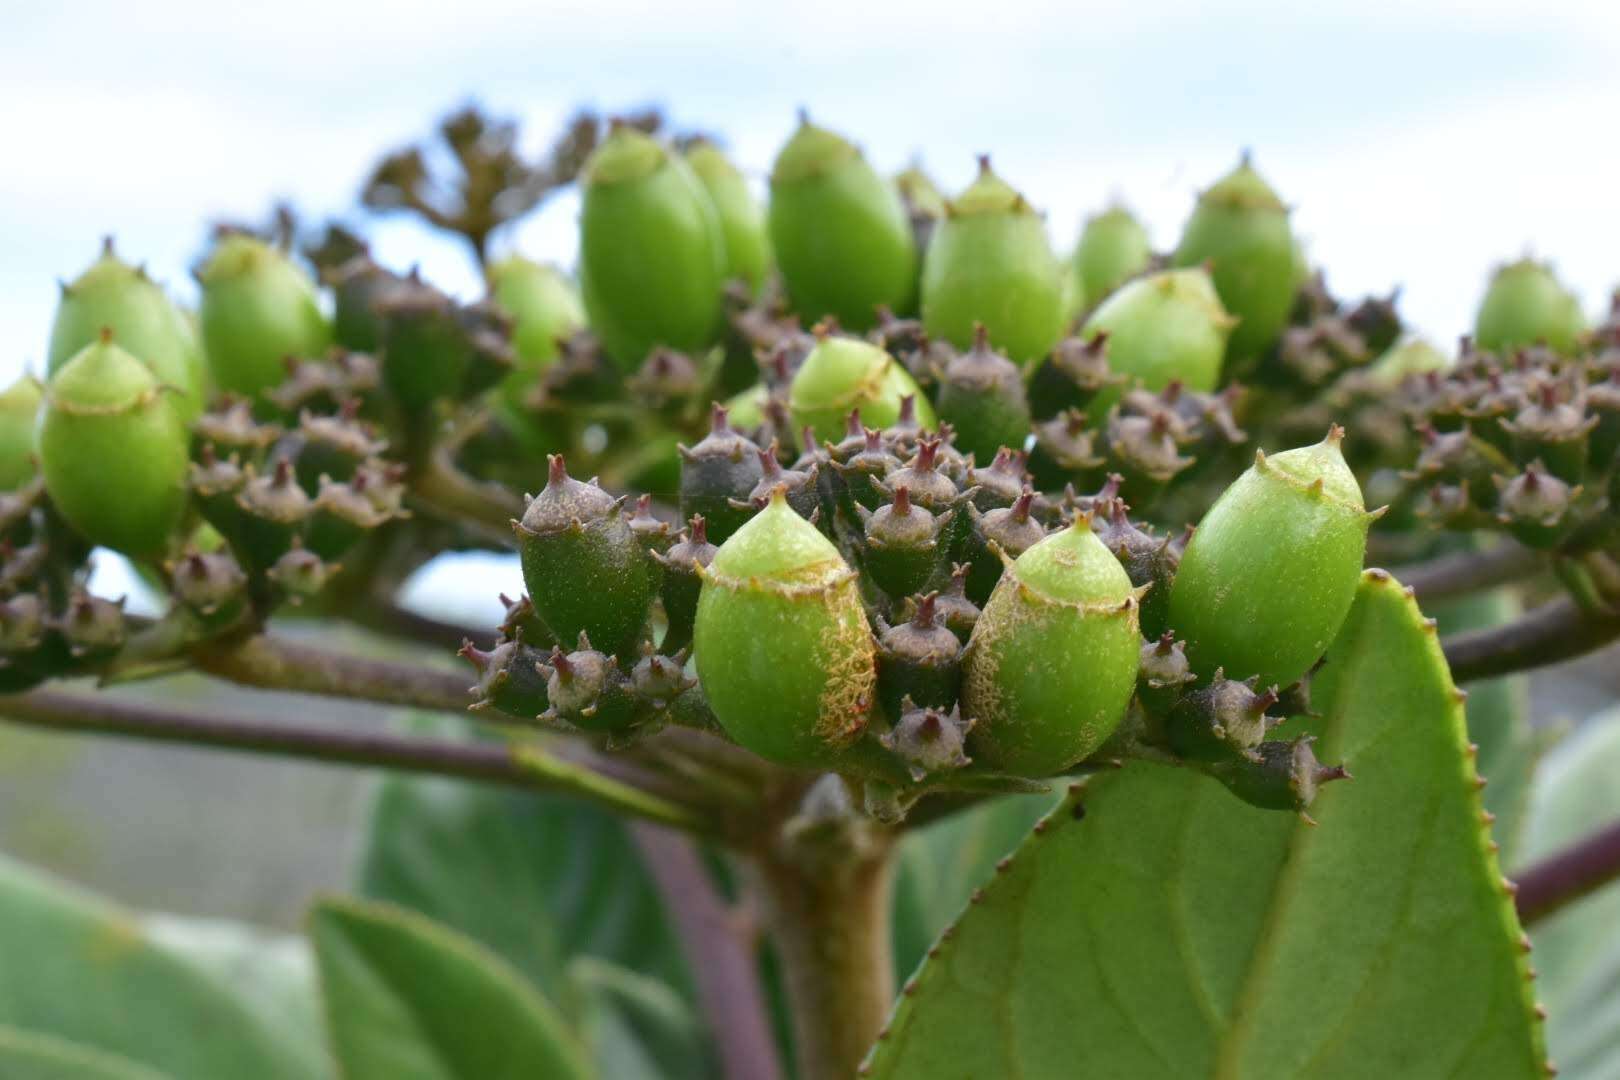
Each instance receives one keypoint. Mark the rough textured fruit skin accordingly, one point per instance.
(981, 394)
(1271, 570)
(1240, 227)
(840, 232)
(19, 410)
(257, 310)
(1162, 327)
(1525, 303)
(990, 262)
(783, 649)
(742, 218)
(1113, 248)
(843, 373)
(112, 295)
(1052, 662)
(113, 453)
(640, 198)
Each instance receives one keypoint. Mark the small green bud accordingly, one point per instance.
(19, 417)
(1271, 570)
(1279, 775)
(1164, 675)
(1526, 304)
(641, 198)
(722, 469)
(682, 583)
(843, 374)
(981, 395)
(929, 740)
(1240, 228)
(112, 295)
(1052, 662)
(1222, 721)
(1113, 248)
(783, 649)
(359, 285)
(258, 309)
(990, 262)
(585, 572)
(841, 235)
(510, 681)
(902, 543)
(586, 690)
(113, 453)
(919, 661)
(742, 218)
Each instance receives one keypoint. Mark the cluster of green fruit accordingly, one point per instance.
(930, 542)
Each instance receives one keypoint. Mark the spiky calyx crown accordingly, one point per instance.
(625, 156)
(988, 194)
(1243, 189)
(811, 152)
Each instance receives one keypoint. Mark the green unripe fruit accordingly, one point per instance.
(1525, 304)
(783, 649)
(990, 262)
(1052, 662)
(258, 309)
(842, 374)
(652, 258)
(1414, 357)
(1271, 570)
(544, 306)
(1240, 227)
(112, 295)
(113, 453)
(584, 569)
(1113, 249)
(1165, 327)
(19, 412)
(742, 218)
(842, 238)
(358, 286)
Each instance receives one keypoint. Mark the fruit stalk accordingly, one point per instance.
(828, 916)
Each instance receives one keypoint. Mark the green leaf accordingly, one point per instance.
(939, 867)
(407, 999)
(1577, 950)
(1169, 930)
(1498, 720)
(538, 879)
(26, 1055)
(78, 969)
(272, 973)
(640, 1029)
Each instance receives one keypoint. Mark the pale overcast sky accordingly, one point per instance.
(1419, 142)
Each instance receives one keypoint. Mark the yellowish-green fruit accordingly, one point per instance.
(652, 256)
(990, 262)
(842, 374)
(1240, 228)
(1526, 304)
(19, 410)
(842, 237)
(112, 295)
(1113, 249)
(783, 649)
(1163, 327)
(1052, 661)
(1414, 357)
(545, 308)
(258, 309)
(1271, 570)
(113, 453)
(742, 218)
